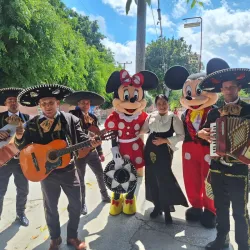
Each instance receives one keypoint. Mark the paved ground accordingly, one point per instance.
(101, 231)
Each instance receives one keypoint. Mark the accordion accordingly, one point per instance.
(232, 139)
(8, 149)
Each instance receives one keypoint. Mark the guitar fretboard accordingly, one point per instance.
(75, 147)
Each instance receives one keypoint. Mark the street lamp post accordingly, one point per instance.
(196, 24)
(124, 64)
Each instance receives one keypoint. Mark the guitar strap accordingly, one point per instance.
(70, 134)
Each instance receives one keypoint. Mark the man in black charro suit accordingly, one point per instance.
(8, 98)
(43, 129)
(83, 100)
(229, 178)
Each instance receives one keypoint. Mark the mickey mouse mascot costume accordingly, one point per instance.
(127, 150)
(195, 152)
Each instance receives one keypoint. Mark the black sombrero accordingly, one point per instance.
(74, 98)
(120, 179)
(219, 71)
(31, 96)
(8, 92)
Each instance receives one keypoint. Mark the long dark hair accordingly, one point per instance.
(161, 96)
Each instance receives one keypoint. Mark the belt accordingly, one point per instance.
(129, 140)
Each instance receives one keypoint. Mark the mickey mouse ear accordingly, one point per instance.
(175, 77)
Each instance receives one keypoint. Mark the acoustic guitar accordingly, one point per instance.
(93, 131)
(38, 161)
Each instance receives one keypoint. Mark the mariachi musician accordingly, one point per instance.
(8, 98)
(229, 178)
(89, 122)
(51, 125)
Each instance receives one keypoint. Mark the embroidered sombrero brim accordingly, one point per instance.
(121, 180)
(31, 96)
(74, 98)
(213, 82)
(8, 92)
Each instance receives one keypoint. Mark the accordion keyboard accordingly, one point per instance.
(213, 144)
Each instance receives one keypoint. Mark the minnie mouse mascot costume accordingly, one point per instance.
(195, 152)
(127, 119)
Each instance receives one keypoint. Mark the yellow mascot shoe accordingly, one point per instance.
(129, 206)
(140, 172)
(116, 205)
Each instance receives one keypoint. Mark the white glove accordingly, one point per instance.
(117, 157)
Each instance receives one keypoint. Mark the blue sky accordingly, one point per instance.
(226, 27)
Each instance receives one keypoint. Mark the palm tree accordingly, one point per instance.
(141, 28)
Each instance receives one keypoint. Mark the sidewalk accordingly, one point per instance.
(101, 231)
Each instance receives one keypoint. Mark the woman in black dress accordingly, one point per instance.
(162, 187)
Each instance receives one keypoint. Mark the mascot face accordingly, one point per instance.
(129, 91)
(193, 97)
(130, 100)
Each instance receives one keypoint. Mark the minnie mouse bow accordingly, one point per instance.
(136, 80)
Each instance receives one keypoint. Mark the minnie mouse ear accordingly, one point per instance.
(175, 77)
(150, 80)
(114, 82)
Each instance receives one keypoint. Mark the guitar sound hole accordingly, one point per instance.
(53, 156)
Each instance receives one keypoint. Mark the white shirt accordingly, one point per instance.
(43, 116)
(10, 114)
(233, 101)
(157, 123)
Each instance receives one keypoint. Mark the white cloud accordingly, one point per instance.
(123, 52)
(226, 33)
(79, 11)
(119, 7)
(165, 21)
(245, 60)
(181, 7)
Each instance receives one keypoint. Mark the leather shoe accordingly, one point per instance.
(22, 220)
(84, 210)
(168, 218)
(155, 213)
(106, 199)
(217, 245)
(77, 244)
(55, 244)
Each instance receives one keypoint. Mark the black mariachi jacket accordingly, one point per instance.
(237, 168)
(5, 115)
(70, 129)
(79, 114)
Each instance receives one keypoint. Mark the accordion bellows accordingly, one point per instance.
(233, 138)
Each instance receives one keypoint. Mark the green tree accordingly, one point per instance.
(39, 44)
(80, 23)
(243, 93)
(174, 99)
(165, 53)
